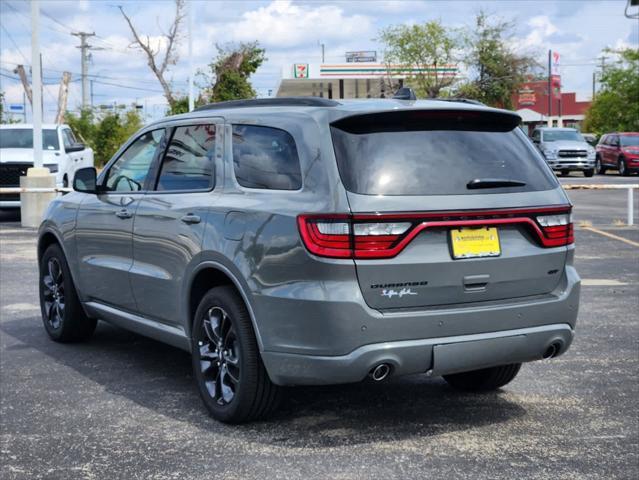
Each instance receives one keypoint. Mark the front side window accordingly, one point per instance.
(23, 138)
(129, 172)
(265, 157)
(68, 138)
(188, 162)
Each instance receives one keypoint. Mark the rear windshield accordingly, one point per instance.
(560, 135)
(436, 153)
(23, 138)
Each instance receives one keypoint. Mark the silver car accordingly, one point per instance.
(565, 150)
(309, 241)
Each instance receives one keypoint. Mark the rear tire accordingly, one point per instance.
(589, 173)
(62, 314)
(485, 379)
(227, 366)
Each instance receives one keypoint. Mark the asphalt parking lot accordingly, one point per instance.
(123, 406)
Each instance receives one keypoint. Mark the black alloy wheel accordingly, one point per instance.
(219, 352)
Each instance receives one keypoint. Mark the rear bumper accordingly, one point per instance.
(437, 356)
(444, 340)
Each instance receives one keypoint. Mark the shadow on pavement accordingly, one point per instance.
(158, 377)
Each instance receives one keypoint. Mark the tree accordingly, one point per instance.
(495, 69)
(157, 62)
(231, 71)
(426, 47)
(616, 106)
(104, 133)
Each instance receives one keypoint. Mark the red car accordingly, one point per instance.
(619, 151)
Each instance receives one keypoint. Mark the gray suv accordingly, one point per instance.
(307, 241)
(565, 150)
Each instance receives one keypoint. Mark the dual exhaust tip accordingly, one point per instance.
(380, 372)
(383, 370)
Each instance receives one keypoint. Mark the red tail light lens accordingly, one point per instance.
(386, 235)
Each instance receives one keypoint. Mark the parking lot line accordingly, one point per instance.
(610, 235)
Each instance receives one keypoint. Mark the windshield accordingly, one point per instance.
(23, 138)
(394, 156)
(629, 140)
(558, 135)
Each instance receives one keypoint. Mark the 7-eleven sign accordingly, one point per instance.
(300, 70)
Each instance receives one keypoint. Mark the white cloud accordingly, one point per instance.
(284, 24)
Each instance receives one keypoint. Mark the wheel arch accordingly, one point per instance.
(210, 274)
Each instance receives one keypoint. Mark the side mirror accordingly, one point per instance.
(85, 180)
(76, 147)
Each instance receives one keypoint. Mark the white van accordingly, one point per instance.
(62, 154)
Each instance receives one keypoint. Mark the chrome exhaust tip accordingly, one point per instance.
(552, 350)
(380, 372)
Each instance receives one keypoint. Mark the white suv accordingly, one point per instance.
(62, 155)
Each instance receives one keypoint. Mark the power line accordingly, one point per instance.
(14, 43)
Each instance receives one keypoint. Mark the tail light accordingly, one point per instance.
(386, 235)
(557, 229)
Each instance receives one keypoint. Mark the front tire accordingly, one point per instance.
(227, 366)
(589, 172)
(601, 170)
(565, 173)
(484, 380)
(62, 314)
(623, 168)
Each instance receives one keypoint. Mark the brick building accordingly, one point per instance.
(531, 103)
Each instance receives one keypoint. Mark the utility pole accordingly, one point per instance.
(191, 97)
(25, 82)
(62, 97)
(91, 94)
(549, 88)
(84, 49)
(36, 80)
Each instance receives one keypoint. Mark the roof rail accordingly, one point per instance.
(456, 99)
(271, 102)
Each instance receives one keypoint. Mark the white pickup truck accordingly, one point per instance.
(62, 154)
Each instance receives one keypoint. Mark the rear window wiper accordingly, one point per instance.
(493, 183)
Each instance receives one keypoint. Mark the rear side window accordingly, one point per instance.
(436, 153)
(265, 157)
(189, 159)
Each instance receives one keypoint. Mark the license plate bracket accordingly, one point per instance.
(475, 242)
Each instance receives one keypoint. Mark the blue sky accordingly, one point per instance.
(290, 31)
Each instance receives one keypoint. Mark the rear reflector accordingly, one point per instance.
(386, 235)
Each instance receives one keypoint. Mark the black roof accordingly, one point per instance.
(271, 102)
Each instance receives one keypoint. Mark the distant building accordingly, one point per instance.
(531, 103)
(353, 79)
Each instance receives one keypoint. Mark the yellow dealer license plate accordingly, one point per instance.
(475, 242)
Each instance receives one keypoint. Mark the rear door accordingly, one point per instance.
(446, 208)
(171, 218)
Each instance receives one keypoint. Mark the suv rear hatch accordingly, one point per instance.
(447, 207)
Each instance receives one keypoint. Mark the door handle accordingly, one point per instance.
(190, 219)
(123, 214)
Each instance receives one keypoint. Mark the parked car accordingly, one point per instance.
(619, 151)
(62, 154)
(306, 241)
(565, 150)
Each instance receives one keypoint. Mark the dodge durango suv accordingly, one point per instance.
(308, 241)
